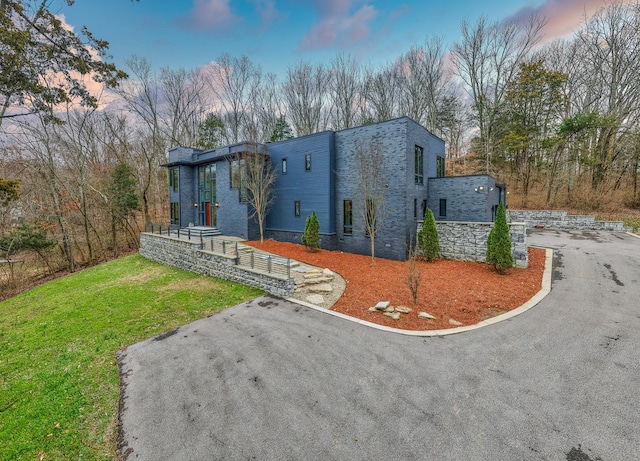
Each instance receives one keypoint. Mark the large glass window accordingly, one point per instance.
(174, 179)
(207, 211)
(440, 167)
(348, 217)
(419, 165)
(238, 177)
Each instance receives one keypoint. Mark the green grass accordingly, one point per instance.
(59, 382)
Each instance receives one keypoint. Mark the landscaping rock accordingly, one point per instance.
(316, 299)
(403, 309)
(312, 275)
(318, 280)
(388, 309)
(425, 315)
(321, 288)
(382, 305)
(327, 273)
(455, 323)
(315, 270)
(373, 309)
(393, 315)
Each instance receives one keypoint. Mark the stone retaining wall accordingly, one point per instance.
(467, 241)
(187, 255)
(556, 219)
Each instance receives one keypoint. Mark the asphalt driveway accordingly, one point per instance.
(271, 380)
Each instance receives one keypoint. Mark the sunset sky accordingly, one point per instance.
(278, 33)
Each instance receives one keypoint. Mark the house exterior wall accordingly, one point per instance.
(314, 188)
(463, 203)
(404, 198)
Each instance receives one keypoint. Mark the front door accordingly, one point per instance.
(207, 191)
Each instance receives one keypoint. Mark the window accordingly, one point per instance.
(440, 167)
(348, 217)
(307, 162)
(419, 165)
(284, 165)
(175, 213)
(415, 208)
(443, 207)
(296, 208)
(370, 216)
(238, 177)
(174, 179)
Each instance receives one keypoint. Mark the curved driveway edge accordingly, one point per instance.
(544, 291)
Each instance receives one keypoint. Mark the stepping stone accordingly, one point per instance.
(403, 309)
(388, 309)
(327, 273)
(373, 309)
(312, 275)
(301, 269)
(316, 299)
(382, 305)
(317, 280)
(425, 315)
(321, 288)
(315, 270)
(455, 323)
(393, 315)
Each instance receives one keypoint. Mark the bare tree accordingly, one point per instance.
(381, 94)
(345, 92)
(487, 58)
(371, 188)
(235, 81)
(304, 91)
(259, 179)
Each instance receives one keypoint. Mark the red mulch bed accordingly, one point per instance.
(468, 292)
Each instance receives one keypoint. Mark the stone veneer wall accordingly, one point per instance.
(188, 256)
(467, 241)
(555, 219)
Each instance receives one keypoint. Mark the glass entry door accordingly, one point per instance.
(207, 214)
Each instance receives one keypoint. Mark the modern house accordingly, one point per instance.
(319, 172)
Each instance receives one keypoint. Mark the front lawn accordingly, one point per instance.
(58, 372)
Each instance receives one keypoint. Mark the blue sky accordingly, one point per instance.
(278, 33)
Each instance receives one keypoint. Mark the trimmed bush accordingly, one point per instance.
(499, 243)
(311, 235)
(428, 239)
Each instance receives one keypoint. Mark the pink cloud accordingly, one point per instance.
(209, 15)
(564, 16)
(339, 24)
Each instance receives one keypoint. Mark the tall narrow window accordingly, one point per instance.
(307, 162)
(284, 165)
(296, 208)
(443, 207)
(415, 208)
(175, 213)
(440, 167)
(348, 217)
(419, 165)
(174, 179)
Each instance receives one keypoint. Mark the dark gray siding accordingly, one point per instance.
(463, 202)
(188, 195)
(314, 188)
(391, 238)
(232, 215)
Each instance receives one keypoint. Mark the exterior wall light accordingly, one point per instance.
(195, 205)
(483, 190)
(217, 205)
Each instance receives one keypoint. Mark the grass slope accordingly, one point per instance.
(58, 373)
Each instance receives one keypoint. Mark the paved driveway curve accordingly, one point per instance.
(270, 380)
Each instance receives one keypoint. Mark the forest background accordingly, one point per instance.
(82, 142)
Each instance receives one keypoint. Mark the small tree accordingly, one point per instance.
(499, 243)
(428, 239)
(281, 131)
(210, 132)
(311, 235)
(414, 275)
(258, 177)
(124, 201)
(371, 188)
